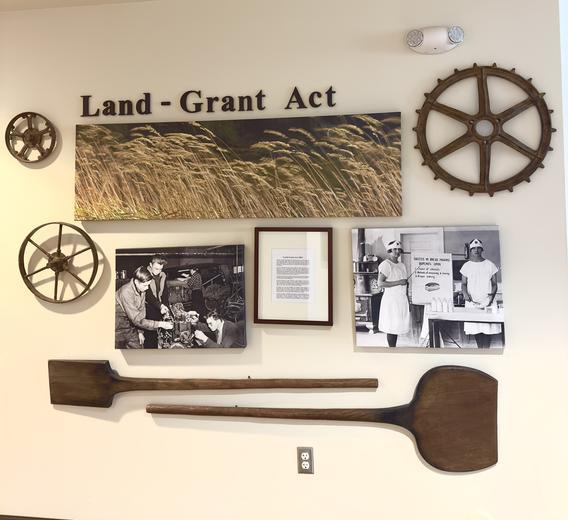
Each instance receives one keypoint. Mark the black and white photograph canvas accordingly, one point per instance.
(430, 287)
(180, 297)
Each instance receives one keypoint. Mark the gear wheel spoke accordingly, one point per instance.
(483, 94)
(517, 145)
(454, 113)
(484, 164)
(452, 147)
(515, 110)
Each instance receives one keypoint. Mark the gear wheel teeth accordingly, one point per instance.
(482, 73)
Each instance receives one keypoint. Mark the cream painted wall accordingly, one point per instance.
(19, 5)
(121, 463)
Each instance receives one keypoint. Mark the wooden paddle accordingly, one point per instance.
(95, 383)
(453, 417)
(12, 517)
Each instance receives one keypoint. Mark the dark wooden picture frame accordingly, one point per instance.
(257, 282)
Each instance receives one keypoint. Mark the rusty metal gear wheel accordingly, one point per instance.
(484, 128)
(59, 263)
(30, 137)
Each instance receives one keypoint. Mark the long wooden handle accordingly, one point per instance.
(390, 415)
(126, 383)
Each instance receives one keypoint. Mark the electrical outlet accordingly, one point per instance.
(305, 458)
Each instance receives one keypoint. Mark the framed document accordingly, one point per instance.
(293, 270)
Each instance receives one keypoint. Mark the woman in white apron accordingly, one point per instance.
(479, 287)
(394, 316)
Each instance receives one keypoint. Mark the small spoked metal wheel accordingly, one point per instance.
(58, 262)
(30, 137)
(485, 128)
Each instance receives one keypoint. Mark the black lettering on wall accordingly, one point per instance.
(295, 98)
(195, 107)
(87, 108)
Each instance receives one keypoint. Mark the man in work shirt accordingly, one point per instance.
(130, 312)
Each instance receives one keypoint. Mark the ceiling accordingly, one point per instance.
(18, 5)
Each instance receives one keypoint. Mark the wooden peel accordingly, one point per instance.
(12, 517)
(453, 417)
(95, 383)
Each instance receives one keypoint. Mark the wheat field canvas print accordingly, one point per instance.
(329, 166)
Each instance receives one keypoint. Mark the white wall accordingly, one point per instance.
(121, 463)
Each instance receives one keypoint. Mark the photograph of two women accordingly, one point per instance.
(431, 287)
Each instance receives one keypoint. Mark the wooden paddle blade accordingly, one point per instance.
(455, 418)
(81, 383)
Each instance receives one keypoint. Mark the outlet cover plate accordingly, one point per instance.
(305, 458)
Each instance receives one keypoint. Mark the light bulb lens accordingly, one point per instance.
(414, 38)
(455, 34)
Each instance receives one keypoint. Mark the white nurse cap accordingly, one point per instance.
(475, 243)
(394, 244)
